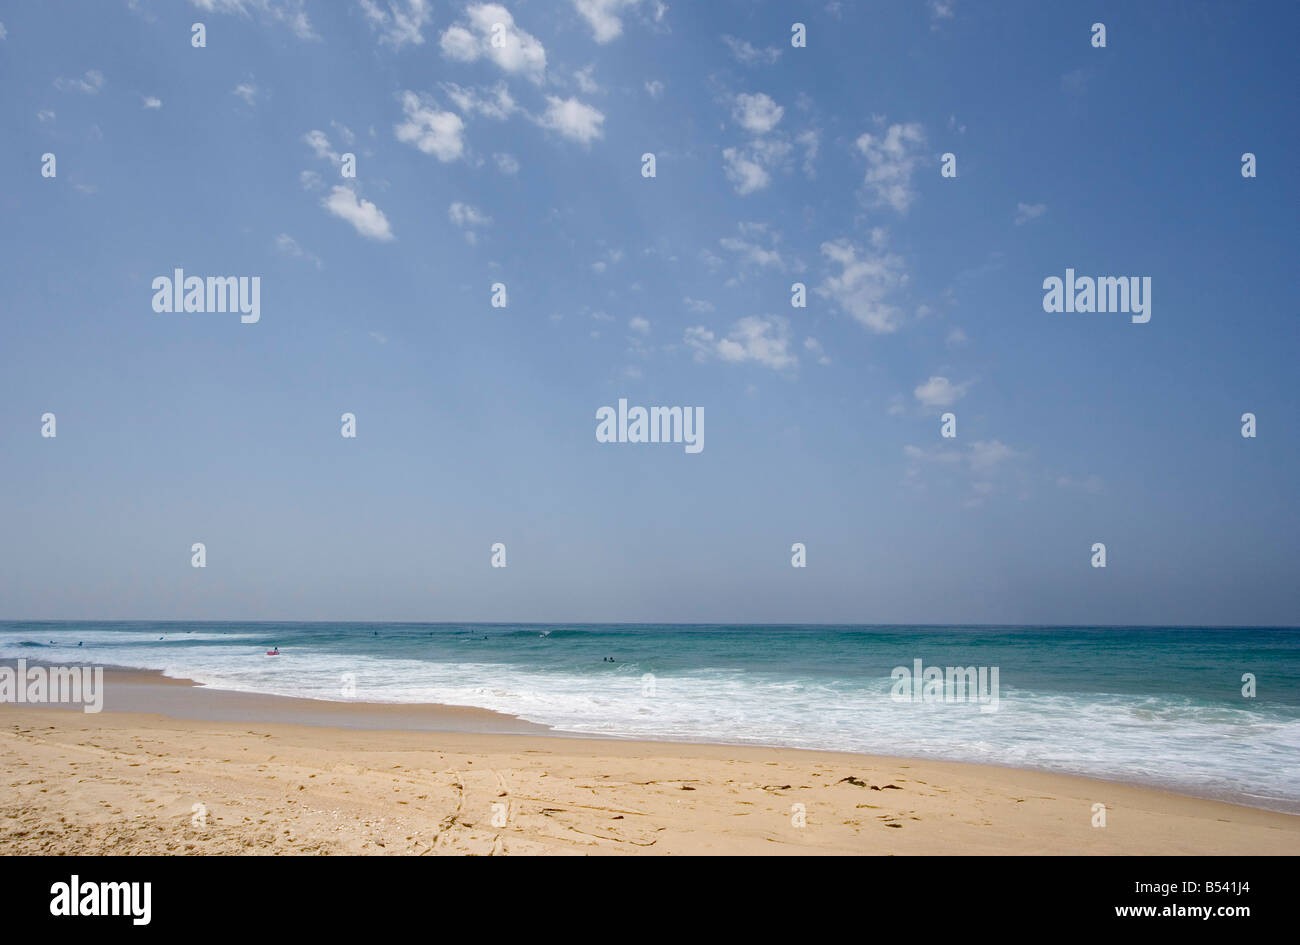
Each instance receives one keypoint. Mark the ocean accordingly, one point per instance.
(1157, 706)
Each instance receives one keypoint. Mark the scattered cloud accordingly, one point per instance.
(891, 158)
(287, 245)
(467, 218)
(432, 131)
(291, 13)
(572, 119)
(987, 455)
(495, 102)
(763, 340)
(748, 248)
(756, 113)
(748, 54)
(320, 145)
(639, 325)
(506, 163)
(956, 338)
(654, 88)
(399, 25)
(749, 168)
(698, 305)
(88, 84)
(365, 217)
(810, 141)
(247, 91)
(489, 31)
(605, 17)
(586, 80)
(1029, 211)
(816, 351)
(865, 281)
(152, 102)
(940, 392)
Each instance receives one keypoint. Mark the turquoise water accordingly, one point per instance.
(1161, 706)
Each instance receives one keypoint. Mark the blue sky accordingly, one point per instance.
(774, 165)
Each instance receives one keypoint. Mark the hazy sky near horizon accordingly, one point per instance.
(523, 165)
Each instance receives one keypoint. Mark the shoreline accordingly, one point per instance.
(130, 783)
(150, 692)
(302, 776)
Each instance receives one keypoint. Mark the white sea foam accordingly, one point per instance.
(1209, 749)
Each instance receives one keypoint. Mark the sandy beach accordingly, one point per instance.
(207, 772)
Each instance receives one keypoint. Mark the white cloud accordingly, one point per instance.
(864, 283)
(654, 88)
(697, 305)
(1029, 211)
(401, 24)
(749, 168)
(765, 341)
(289, 12)
(810, 141)
(467, 217)
(45, 114)
(639, 324)
(940, 392)
(506, 163)
(757, 114)
(152, 102)
(987, 455)
(748, 54)
(982, 460)
(744, 171)
(572, 119)
(89, 84)
(310, 180)
(320, 144)
(814, 348)
(604, 17)
(586, 80)
(462, 214)
(3, 31)
(289, 246)
(247, 91)
(750, 251)
(495, 102)
(344, 132)
(365, 217)
(956, 338)
(432, 131)
(940, 10)
(891, 159)
(515, 51)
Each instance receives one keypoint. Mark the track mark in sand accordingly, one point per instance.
(450, 820)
